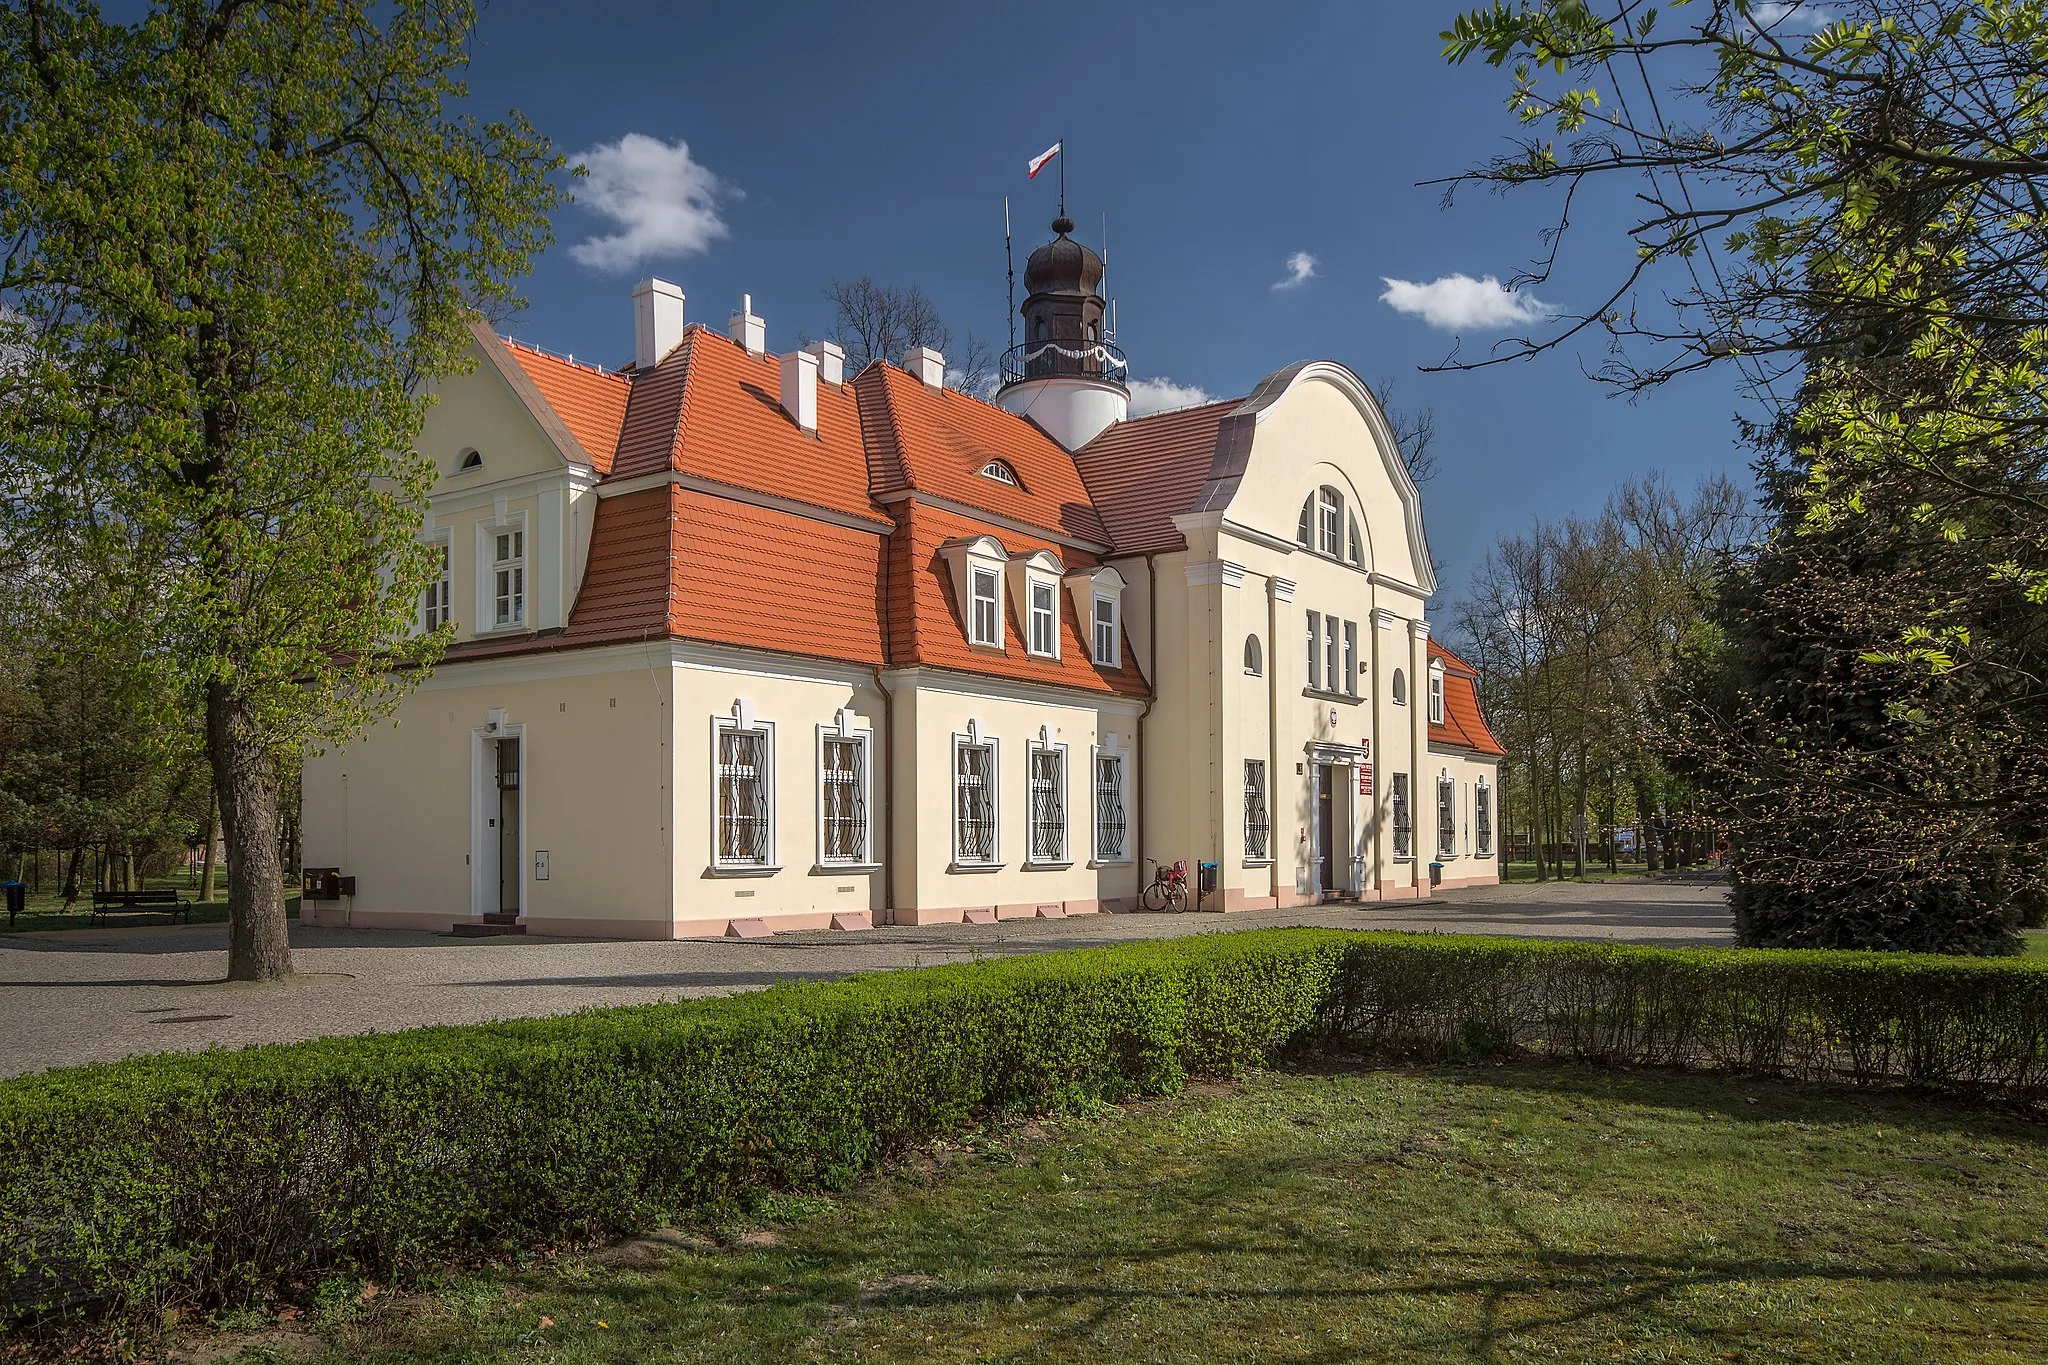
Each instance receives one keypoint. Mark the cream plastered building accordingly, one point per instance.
(744, 643)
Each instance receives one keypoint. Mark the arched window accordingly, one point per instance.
(1436, 694)
(1038, 330)
(469, 459)
(1329, 521)
(1357, 554)
(1400, 688)
(1093, 335)
(1253, 663)
(1304, 530)
(1000, 471)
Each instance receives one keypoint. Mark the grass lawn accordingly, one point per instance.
(1443, 1214)
(1595, 872)
(2037, 942)
(46, 912)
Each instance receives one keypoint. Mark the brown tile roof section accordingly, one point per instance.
(1462, 725)
(937, 441)
(1143, 472)
(669, 562)
(590, 402)
(926, 626)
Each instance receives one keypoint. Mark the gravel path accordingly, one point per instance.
(94, 995)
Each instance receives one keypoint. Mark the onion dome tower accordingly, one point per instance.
(1065, 375)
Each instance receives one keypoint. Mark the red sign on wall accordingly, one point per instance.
(1365, 779)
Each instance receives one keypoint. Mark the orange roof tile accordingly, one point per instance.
(1462, 725)
(1143, 472)
(590, 402)
(937, 441)
(926, 626)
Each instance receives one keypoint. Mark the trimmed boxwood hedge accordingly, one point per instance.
(199, 1178)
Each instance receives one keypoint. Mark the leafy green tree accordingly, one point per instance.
(239, 236)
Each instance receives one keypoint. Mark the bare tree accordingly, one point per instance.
(1414, 433)
(873, 322)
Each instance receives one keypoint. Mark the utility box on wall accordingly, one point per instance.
(325, 884)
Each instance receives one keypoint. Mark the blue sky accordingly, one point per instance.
(1222, 140)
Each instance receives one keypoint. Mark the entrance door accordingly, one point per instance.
(508, 827)
(1326, 828)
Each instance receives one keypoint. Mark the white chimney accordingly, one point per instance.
(748, 330)
(831, 361)
(927, 365)
(800, 388)
(657, 321)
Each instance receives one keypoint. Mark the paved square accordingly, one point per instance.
(94, 995)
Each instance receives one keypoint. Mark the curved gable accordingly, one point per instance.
(1311, 424)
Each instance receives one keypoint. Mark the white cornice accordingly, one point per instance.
(1213, 571)
(1257, 537)
(1419, 629)
(1011, 689)
(696, 483)
(572, 661)
(1382, 619)
(1281, 588)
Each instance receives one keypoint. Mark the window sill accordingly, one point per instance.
(1404, 857)
(1033, 866)
(1109, 862)
(748, 870)
(1258, 862)
(518, 628)
(834, 869)
(1318, 694)
(1049, 658)
(975, 867)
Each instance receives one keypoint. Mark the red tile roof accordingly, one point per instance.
(938, 441)
(1143, 472)
(1462, 725)
(590, 401)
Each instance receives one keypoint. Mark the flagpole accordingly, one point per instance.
(1010, 270)
(1062, 158)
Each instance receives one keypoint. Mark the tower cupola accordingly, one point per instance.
(1065, 375)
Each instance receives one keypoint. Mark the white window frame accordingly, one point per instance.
(1330, 523)
(845, 732)
(1482, 819)
(1122, 758)
(1446, 804)
(977, 575)
(440, 594)
(1263, 790)
(488, 530)
(1332, 655)
(1047, 617)
(1436, 694)
(975, 739)
(743, 721)
(1109, 632)
(1401, 818)
(1061, 791)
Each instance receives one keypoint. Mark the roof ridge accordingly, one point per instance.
(563, 359)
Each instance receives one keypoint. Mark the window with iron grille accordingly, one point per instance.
(1258, 824)
(843, 799)
(1111, 825)
(508, 577)
(1482, 819)
(974, 802)
(1403, 821)
(987, 615)
(1044, 621)
(438, 594)
(1048, 808)
(744, 800)
(1446, 817)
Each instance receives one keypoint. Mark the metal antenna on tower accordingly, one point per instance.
(1010, 269)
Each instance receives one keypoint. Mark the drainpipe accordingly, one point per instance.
(1273, 826)
(1144, 744)
(884, 773)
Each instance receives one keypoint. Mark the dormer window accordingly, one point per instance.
(1436, 694)
(1035, 581)
(1044, 620)
(1106, 651)
(987, 613)
(1000, 471)
(1099, 602)
(469, 459)
(1321, 527)
(508, 577)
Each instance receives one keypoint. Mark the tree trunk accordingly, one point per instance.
(71, 876)
(259, 948)
(208, 868)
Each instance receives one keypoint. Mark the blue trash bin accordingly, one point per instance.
(1436, 874)
(17, 899)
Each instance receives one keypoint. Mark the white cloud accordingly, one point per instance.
(1790, 15)
(665, 203)
(1301, 268)
(1459, 302)
(1161, 395)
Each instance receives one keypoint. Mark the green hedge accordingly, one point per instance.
(200, 1178)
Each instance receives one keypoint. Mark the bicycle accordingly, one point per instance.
(1168, 888)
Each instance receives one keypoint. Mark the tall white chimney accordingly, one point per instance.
(927, 365)
(748, 330)
(831, 361)
(657, 321)
(800, 388)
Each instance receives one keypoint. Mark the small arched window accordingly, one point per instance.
(1253, 663)
(1000, 471)
(1357, 551)
(469, 459)
(1093, 334)
(1038, 330)
(1400, 688)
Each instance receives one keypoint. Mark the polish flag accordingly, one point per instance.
(1037, 163)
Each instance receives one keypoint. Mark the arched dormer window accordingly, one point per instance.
(1400, 688)
(1357, 549)
(1000, 471)
(469, 459)
(1436, 694)
(1254, 664)
(1321, 527)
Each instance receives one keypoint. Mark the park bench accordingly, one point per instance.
(164, 901)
